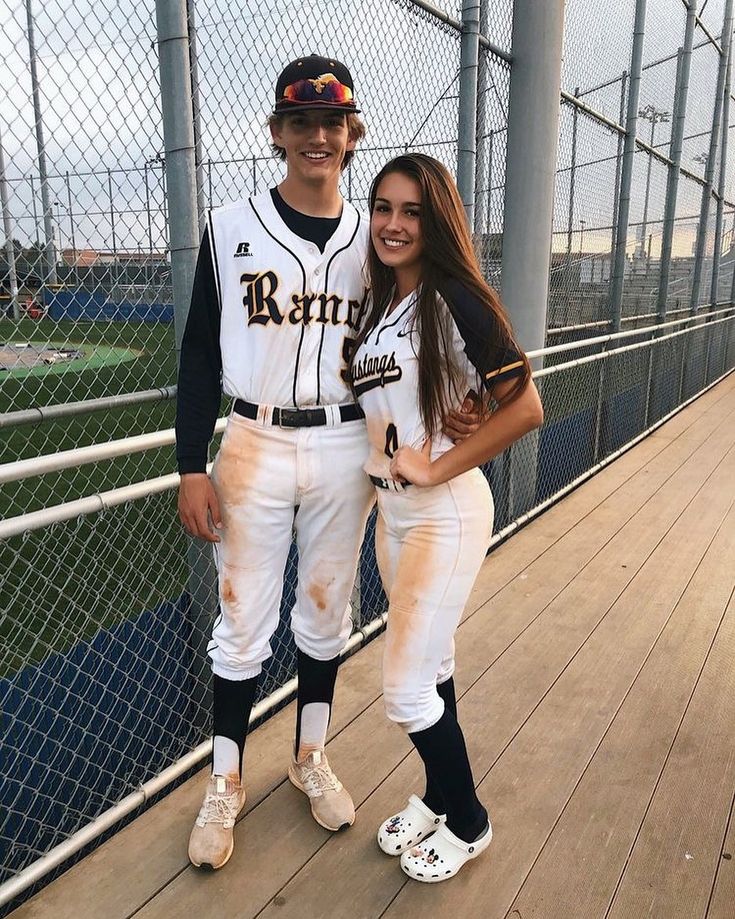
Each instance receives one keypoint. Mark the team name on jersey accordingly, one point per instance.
(371, 372)
(302, 309)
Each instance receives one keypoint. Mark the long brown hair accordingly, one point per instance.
(448, 255)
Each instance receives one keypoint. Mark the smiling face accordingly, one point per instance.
(395, 227)
(315, 144)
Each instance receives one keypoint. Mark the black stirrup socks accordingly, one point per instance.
(433, 797)
(233, 702)
(443, 750)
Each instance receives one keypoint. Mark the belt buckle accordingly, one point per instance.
(287, 417)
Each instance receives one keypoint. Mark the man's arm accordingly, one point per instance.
(198, 400)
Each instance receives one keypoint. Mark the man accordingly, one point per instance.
(277, 299)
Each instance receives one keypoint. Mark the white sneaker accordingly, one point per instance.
(212, 841)
(331, 804)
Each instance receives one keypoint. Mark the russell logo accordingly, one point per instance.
(243, 250)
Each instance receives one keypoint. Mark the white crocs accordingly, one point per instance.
(408, 827)
(443, 855)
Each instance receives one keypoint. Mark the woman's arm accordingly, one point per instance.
(505, 426)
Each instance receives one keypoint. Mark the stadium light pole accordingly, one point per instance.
(655, 116)
(8, 233)
(41, 154)
(72, 236)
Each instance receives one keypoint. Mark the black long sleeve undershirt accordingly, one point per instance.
(199, 391)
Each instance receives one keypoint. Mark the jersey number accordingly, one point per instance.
(391, 440)
(348, 348)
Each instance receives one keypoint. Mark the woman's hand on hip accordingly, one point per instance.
(414, 466)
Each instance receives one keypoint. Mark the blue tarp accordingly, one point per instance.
(96, 306)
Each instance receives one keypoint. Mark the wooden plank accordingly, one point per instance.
(532, 781)
(676, 854)
(106, 880)
(513, 556)
(515, 683)
(723, 892)
(579, 867)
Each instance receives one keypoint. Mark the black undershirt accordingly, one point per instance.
(317, 230)
(200, 367)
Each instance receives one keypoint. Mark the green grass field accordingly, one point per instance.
(66, 581)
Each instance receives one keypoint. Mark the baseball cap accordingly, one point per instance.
(315, 82)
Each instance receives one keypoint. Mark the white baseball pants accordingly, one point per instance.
(430, 544)
(272, 482)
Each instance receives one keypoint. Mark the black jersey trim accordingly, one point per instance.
(215, 260)
(303, 291)
(389, 325)
(332, 257)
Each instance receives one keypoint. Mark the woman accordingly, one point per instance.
(434, 332)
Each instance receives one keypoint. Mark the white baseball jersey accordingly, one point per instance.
(272, 321)
(386, 373)
(288, 311)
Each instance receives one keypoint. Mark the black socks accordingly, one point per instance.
(433, 798)
(443, 750)
(316, 685)
(232, 704)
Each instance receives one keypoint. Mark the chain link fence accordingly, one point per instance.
(106, 605)
(596, 80)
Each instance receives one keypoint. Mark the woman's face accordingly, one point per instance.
(395, 223)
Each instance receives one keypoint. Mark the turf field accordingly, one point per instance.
(66, 581)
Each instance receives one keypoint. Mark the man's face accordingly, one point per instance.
(315, 143)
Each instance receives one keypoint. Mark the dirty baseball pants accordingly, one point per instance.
(430, 544)
(273, 482)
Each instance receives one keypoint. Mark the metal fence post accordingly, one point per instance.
(482, 200)
(631, 125)
(570, 212)
(725, 129)
(709, 171)
(533, 126)
(198, 155)
(618, 171)
(178, 134)
(48, 228)
(181, 196)
(677, 135)
(467, 142)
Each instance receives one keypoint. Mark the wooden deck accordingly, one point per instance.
(596, 669)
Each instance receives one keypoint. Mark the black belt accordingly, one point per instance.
(298, 417)
(391, 484)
